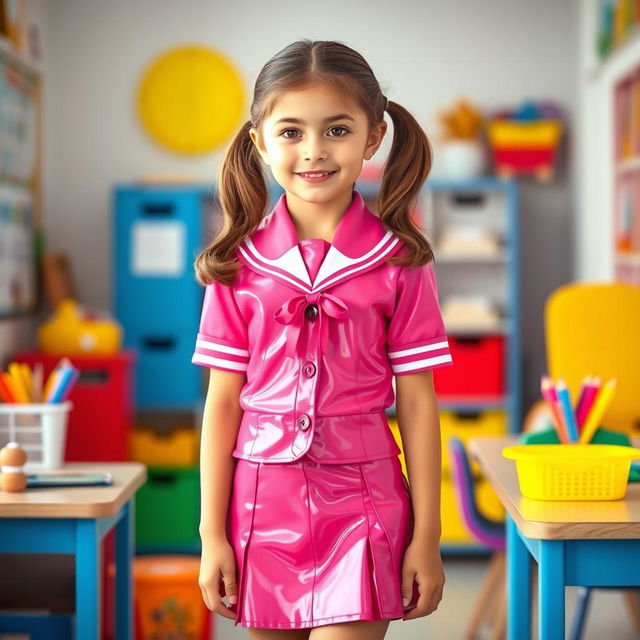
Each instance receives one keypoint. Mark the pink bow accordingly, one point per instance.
(291, 312)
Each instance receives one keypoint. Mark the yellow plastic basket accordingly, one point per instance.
(572, 471)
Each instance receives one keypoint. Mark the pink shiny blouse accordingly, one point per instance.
(319, 329)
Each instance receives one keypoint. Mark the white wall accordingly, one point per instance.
(425, 53)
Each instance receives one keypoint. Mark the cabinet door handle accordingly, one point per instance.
(468, 199)
(93, 376)
(158, 208)
(158, 342)
(467, 415)
(162, 478)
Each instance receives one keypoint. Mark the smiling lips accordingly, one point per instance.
(315, 176)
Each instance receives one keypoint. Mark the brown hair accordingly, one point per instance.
(242, 188)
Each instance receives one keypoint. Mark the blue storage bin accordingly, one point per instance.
(165, 378)
(157, 233)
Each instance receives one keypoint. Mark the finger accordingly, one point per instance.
(435, 600)
(222, 610)
(407, 587)
(418, 610)
(230, 585)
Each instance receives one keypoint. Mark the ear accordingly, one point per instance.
(257, 141)
(375, 139)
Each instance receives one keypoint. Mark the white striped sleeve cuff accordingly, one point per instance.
(420, 356)
(220, 354)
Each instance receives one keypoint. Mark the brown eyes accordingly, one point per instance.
(332, 129)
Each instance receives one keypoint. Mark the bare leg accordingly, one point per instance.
(279, 634)
(358, 630)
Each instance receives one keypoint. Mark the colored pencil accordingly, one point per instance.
(564, 400)
(548, 394)
(597, 411)
(6, 388)
(590, 392)
(38, 379)
(19, 389)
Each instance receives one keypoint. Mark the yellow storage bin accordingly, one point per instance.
(453, 529)
(572, 471)
(509, 133)
(485, 423)
(465, 427)
(179, 449)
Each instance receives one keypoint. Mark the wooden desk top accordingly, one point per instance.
(551, 520)
(77, 502)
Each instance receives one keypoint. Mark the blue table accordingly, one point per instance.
(590, 544)
(74, 521)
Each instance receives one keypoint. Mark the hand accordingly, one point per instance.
(218, 576)
(423, 564)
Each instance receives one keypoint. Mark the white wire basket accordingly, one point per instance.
(40, 429)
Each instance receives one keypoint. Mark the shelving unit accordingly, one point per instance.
(467, 408)
(626, 177)
(158, 231)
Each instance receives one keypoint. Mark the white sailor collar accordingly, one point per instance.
(360, 243)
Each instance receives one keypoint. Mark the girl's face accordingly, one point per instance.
(317, 130)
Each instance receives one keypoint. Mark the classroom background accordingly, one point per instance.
(107, 191)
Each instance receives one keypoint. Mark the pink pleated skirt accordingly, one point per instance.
(317, 544)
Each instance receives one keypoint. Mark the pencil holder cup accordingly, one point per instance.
(40, 429)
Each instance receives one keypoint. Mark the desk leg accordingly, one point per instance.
(551, 590)
(518, 585)
(124, 591)
(87, 582)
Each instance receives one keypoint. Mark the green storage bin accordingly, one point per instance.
(167, 506)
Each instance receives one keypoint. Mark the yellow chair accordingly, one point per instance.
(594, 329)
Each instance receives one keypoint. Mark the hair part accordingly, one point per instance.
(242, 187)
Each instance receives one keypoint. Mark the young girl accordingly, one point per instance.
(308, 524)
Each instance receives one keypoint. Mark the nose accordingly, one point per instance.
(315, 148)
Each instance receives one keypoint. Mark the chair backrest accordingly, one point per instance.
(594, 329)
(486, 531)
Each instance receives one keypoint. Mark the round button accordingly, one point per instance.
(311, 312)
(309, 369)
(304, 421)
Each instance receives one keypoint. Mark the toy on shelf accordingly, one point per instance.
(12, 460)
(525, 141)
(75, 329)
(461, 153)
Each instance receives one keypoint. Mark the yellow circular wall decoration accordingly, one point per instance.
(191, 99)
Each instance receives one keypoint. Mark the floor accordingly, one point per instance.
(607, 618)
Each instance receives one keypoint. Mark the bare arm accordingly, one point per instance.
(220, 424)
(419, 424)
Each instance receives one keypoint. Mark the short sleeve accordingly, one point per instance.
(416, 335)
(222, 336)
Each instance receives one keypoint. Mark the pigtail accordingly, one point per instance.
(406, 170)
(243, 198)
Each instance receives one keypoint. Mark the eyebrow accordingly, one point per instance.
(340, 116)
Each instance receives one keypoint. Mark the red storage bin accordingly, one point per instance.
(478, 367)
(102, 415)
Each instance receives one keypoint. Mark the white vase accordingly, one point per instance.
(459, 159)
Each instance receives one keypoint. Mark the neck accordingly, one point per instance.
(317, 219)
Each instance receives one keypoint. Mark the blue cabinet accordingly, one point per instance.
(157, 234)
